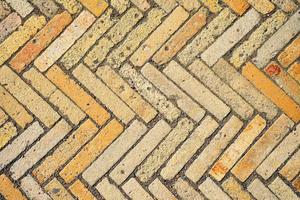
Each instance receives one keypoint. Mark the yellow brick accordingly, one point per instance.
(8, 190)
(80, 191)
(235, 190)
(3, 116)
(212, 5)
(90, 152)
(57, 191)
(262, 6)
(290, 54)
(97, 7)
(294, 71)
(71, 5)
(7, 131)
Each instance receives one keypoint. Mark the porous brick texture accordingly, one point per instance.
(149, 99)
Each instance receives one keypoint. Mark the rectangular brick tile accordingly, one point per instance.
(14, 109)
(233, 153)
(262, 6)
(40, 149)
(282, 190)
(213, 5)
(47, 7)
(96, 7)
(3, 117)
(212, 191)
(19, 144)
(114, 152)
(160, 191)
(120, 5)
(238, 6)
(103, 93)
(32, 189)
(292, 167)
(287, 6)
(40, 41)
(17, 39)
(166, 5)
(290, 53)
(64, 41)
(294, 71)
(91, 150)
(57, 191)
(5, 9)
(135, 191)
(180, 38)
(259, 151)
(186, 191)
(126, 93)
(159, 36)
(272, 91)
(277, 41)
(215, 147)
(109, 191)
(80, 191)
(9, 190)
(171, 91)
(65, 151)
(230, 37)
(296, 183)
(197, 90)
(73, 6)
(29, 98)
(139, 152)
(9, 25)
(234, 189)
(7, 132)
(143, 5)
(78, 95)
(23, 7)
(260, 191)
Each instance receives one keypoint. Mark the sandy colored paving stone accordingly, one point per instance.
(149, 92)
(286, 5)
(47, 7)
(262, 6)
(290, 53)
(114, 152)
(292, 167)
(56, 190)
(197, 90)
(9, 190)
(141, 4)
(166, 5)
(78, 95)
(3, 117)
(65, 151)
(126, 93)
(14, 109)
(23, 7)
(12, 43)
(28, 97)
(96, 7)
(272, 91)
(40, 41)
(259, 151)
(91, 150)
(212, 191)
(281, 190)
(173, 92)
(207, 36)
(7, 132)
(233, 153)
(64, 41)
(40, 149)
(9, 24)
(80, 191)
(257, 38)
(186, 191)
(230, 37)
(159, 36)
(4, 9)
(294, 71)
(73, 6)
(189, 5)
(238, 6)
(135, 191)
(160, 191)
(235, 190)
(139, 152)
(32, 189)
(163, 151)
(214, 83)
(180, 38)
(212, 151)
(260, 191)
(109, 191)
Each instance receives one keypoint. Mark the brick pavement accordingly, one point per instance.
(149, 99)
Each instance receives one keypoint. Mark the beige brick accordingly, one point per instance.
(260, 191)
(186, 191)
(23, 7)
(213, 5)
(189, 5)
(282, 152)
(109, 191)
(47, 7)
(149, 92)
(166, 5)
(40, 149)
(19, 144)
(64, 41)
(120, 5)
(232, 187)
(25, 95)
(160, 191)
(212, 191)
(189, 148)
(241, 54)
(159, 36)
(258, 152)
(214, 83)
(281, 190)
(292, 167)
(141, 4)
(197, 90)
(57, 191)
(173, 92)
(73, 6)
(4, 9)
(294, 71)
(242, 86)
(287, 5)
(9, 25)
(290, 53)
(215, 147)
(139, 152)
(103, 93)
(114, 152)
(233, 153)
(126, 93)
(3, 117)
(262, 6)
(7, 132)
(207, 36)
(164, 150)
(135, 191)
(32, 189)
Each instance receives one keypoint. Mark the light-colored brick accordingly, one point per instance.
(109, 191)
(9, 190)
(197, 90)
(159, 36)
(292, 167)
(141, 4)
(260, 191)
(238, 6)
(120, 5)
(9, 25)
(114, 152)
(160, 191)
(212, 191)
(286, 5)
(96, 7)
(80, 191)
(232, 187)
(186, 191)
(294, 71)
(7, 132)
(64, 41)
(233, 153)
(23, 7)
(135, 191)
(213, 5)
(290, 53)
(57, 191)
(40, 149)
(166, 5)
(29, 98)
(296, 183)
(262, 6)
(73, 6)
(281, 190)
(32, 189)
(47, 7)
(3, 116)
(230, 37)
(139, 152)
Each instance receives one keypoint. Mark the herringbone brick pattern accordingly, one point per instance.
(149, 99)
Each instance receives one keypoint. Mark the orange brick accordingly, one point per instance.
(296, 183)
(80, 191)
(78, 95)
(238, 6)
(40, 41)
(8, 189)
(294, 71)
(90, 152)
(268, 88)
(97, 7)
(290, 54)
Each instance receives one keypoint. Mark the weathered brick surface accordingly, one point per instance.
(149, 99)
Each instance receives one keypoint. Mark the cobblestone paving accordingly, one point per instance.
(149, 99)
